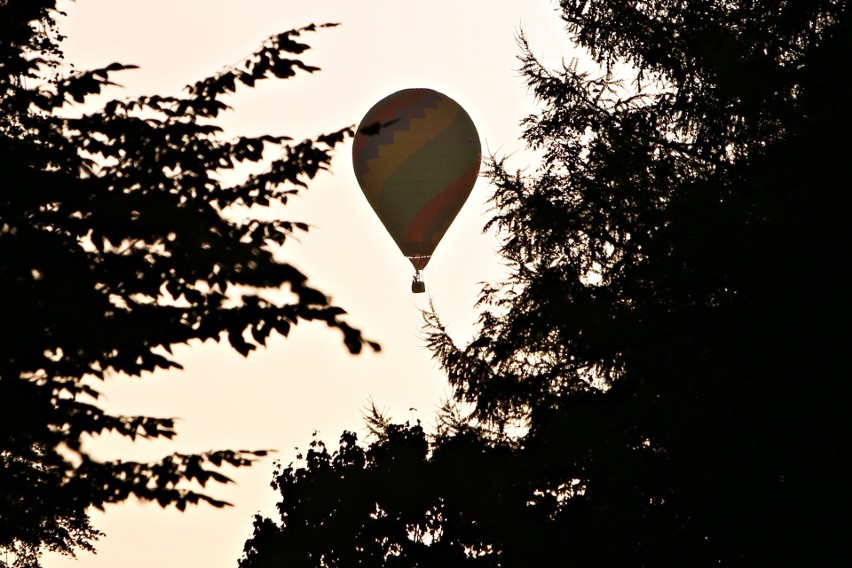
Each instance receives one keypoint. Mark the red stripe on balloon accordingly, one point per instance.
(429, 224)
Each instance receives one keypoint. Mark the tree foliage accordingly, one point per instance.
(394, 503)
(669, 347)
(119, 239)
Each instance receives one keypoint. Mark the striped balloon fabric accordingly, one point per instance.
(416, 155)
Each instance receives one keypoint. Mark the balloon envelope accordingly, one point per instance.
(416, 155)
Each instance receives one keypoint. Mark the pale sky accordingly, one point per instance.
(277, 397)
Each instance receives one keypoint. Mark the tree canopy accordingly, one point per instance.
(661, 380)
(119, 239)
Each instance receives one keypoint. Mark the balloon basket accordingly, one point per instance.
(417, 285)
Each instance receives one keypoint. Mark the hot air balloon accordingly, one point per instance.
(416, 155)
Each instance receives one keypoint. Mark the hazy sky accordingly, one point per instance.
(278, 397)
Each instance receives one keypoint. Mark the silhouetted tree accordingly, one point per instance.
(664, 373)
(118, 240)
(405, 500)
